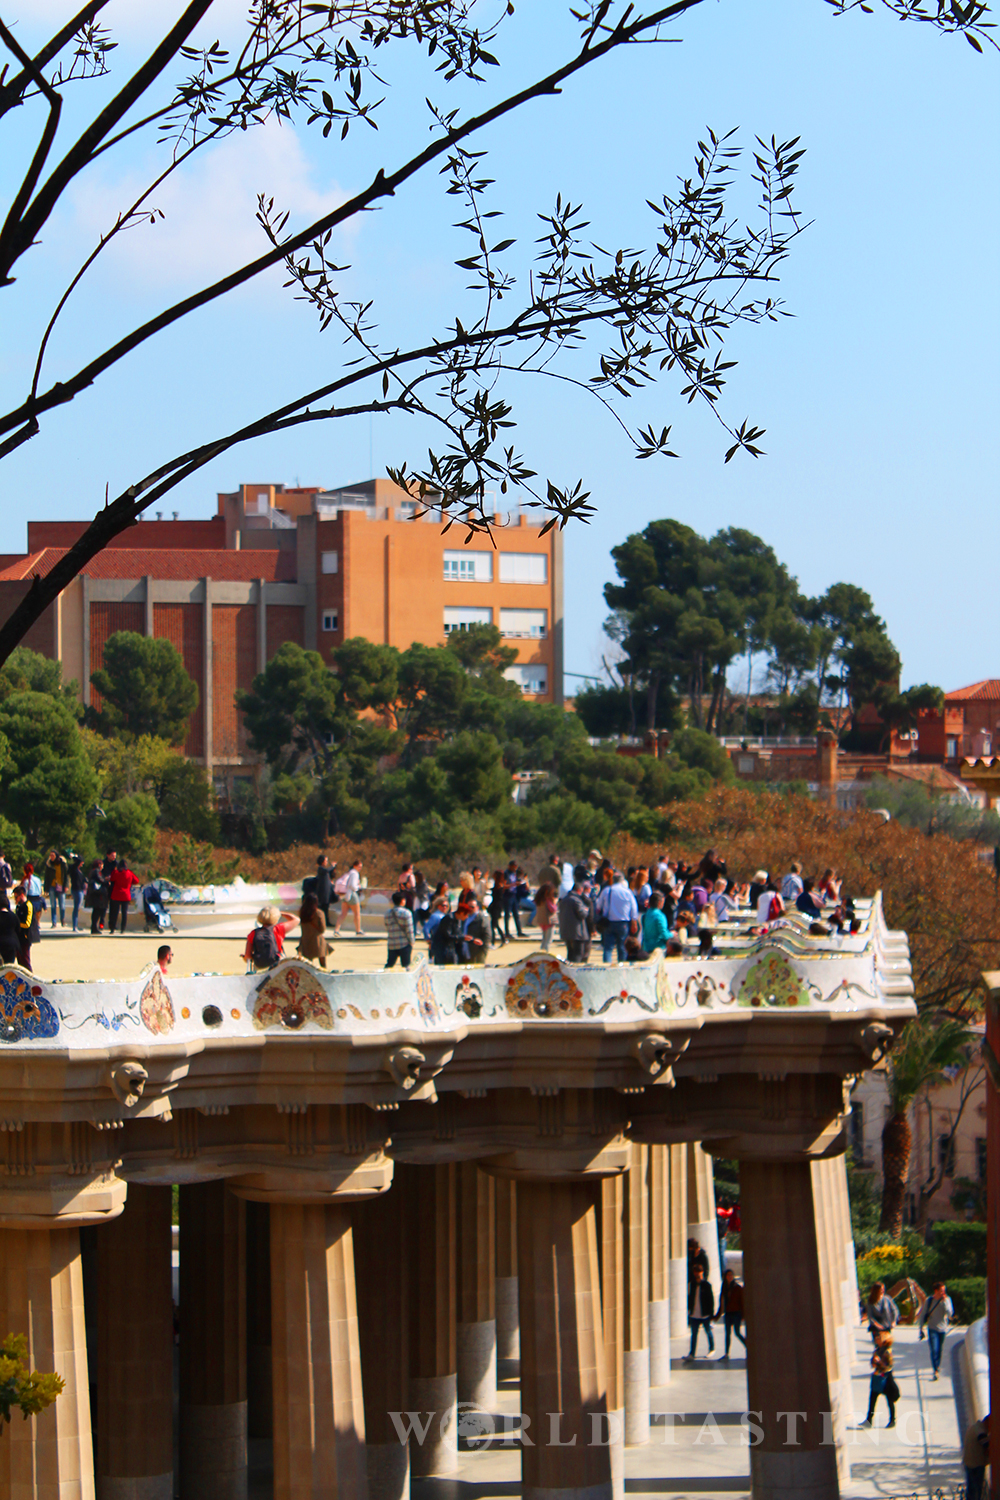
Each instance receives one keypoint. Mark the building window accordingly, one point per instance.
(533, 680)
(524, 567)
(981, 1157)
(472, 567)
(746, 764)
(329, 562)
(461, 619)
(533, 623)
(946, 1154)
(951, 748)
(331, 619)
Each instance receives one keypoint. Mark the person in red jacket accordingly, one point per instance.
(122, 881)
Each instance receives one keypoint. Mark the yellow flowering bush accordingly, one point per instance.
(884, 1252)
(29, 1390)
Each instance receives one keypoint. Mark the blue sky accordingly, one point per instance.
(878, 396)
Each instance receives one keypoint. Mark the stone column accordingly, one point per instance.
(41, 1295)
(430, 1210)
(636, 1262)
(563, 1383)
(213, 1412)
(258, 1236)
(476, 1328)
(319, 1425)
(833, 1280)
(508, 1344)
(677, 1265)
(843, 1208)
(381, 1248)
(785, 1375)
(612, 1249)
(703, 1225)
(135, 1350)
(658, 1191)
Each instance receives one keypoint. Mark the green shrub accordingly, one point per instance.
(129, 825)
(968, 1295)
(195, 864)
(961, 1249)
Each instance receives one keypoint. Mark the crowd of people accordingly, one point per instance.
(628, 914)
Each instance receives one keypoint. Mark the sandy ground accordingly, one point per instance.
(218, 949)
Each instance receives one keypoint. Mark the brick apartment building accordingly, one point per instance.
(306, 565)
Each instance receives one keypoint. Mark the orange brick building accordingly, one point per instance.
(303, 565)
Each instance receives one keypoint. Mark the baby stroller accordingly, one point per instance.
(158, 919)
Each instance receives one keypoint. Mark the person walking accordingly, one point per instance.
(122, 881)
(399, 930)
(617, 909)
(77, 886)
(6, 875)
(883, 1382)
(497, 906)
(324, 888)
(10, 932)
(55, 882)
(575, 918)
(31, 882)
(98, 896)
(935, 1320)
(701, 1305)
(730, 1308)
(312, 930)
(656, 931)
(26, 910)
(348, 889)
(546, 909)
(880, 1310)
(510, 908)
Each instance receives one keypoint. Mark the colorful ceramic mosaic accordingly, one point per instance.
(156, 1006)
(426, 998)
(664, 990)
(291, 996)
(771, 980)
(469, 998)
(25, 1014)
(542, 988)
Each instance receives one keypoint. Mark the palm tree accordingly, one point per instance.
(925, 1049)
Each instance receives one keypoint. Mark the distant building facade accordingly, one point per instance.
(306, 565)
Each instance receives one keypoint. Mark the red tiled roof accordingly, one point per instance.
(935, 777)
(987, 691)
(174, 564)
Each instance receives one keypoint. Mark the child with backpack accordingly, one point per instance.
(266, 944)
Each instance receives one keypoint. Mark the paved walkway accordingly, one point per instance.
(696, 1449)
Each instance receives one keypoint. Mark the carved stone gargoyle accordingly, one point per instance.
(404, 1065)
(875, 1040)
(654, 1054)
(127, 1081)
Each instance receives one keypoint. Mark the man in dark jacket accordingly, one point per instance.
(476, 933)
(10, 933)
(98, 894)
(324, 887)
(730, 1309)
(575, 912)
(701, 1306)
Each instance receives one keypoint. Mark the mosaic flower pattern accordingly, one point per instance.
(25, 1014)
(542, 988)
(291, 997)
(155, 1005)
(771, 980)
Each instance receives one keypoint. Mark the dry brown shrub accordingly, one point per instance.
(935, 888)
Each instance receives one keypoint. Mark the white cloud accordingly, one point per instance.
(209, 205)
(130, 21)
